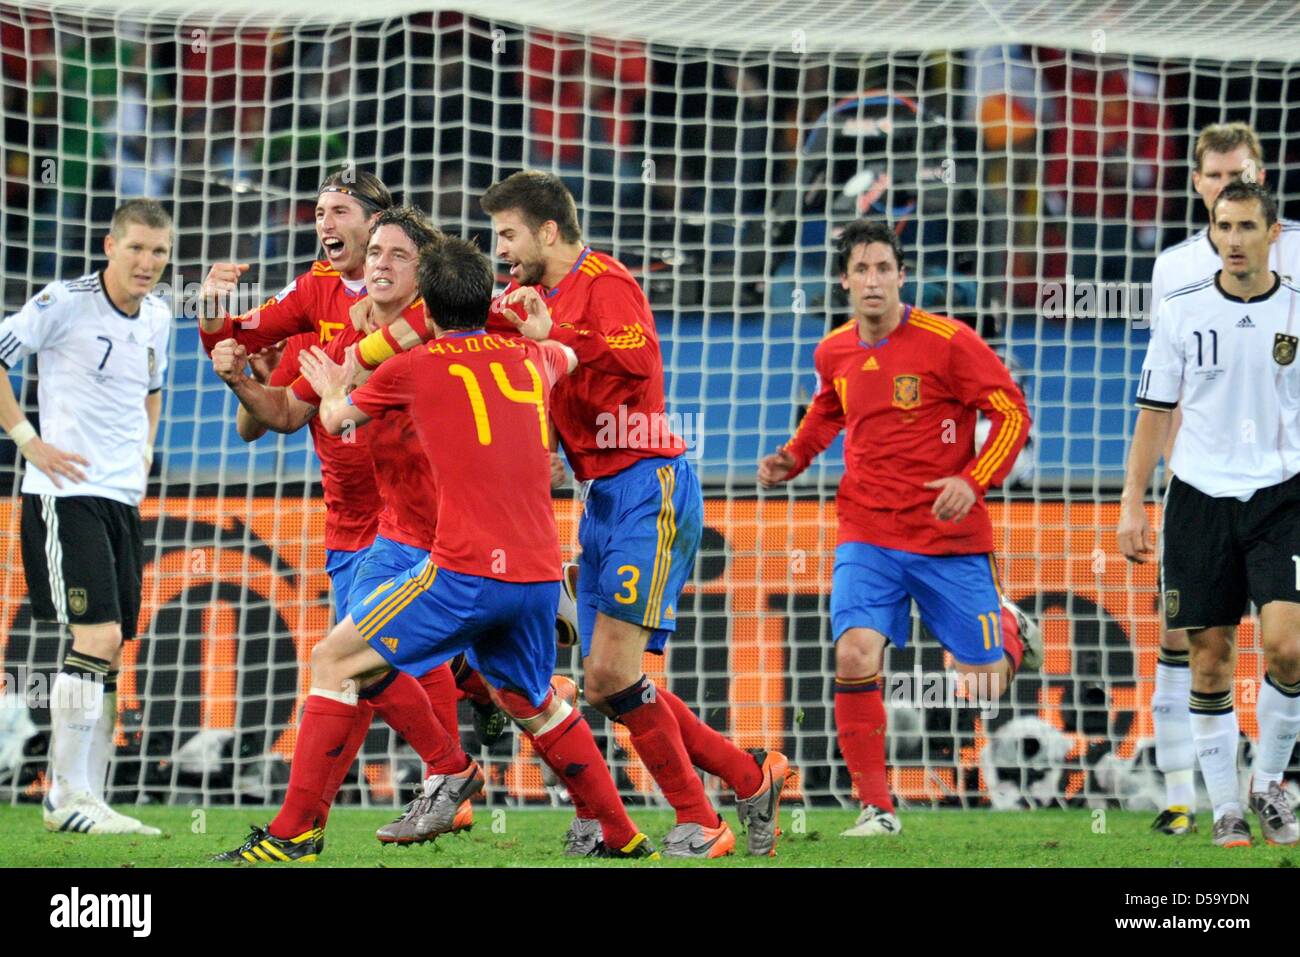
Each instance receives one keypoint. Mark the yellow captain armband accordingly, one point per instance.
(377, 347)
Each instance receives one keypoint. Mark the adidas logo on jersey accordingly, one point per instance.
(1245, 323)
(870, 364)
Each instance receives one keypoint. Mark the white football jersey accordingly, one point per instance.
(1196, 257)
(97, 365)
(1231, 367)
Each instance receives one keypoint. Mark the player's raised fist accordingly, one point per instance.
(775, 468)
(535, 323)
(1136, 541)
(228, 360)
(221, 281)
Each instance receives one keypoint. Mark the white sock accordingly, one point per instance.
(1278, 713)
(103, 745)
(76, 706)
(1175, 752)
(1216, 751)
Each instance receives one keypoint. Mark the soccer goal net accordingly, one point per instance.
(1033, 161)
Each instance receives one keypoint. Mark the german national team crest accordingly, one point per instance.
(77, 601)
(1284, 349)
(907, 391)
(1171, 603)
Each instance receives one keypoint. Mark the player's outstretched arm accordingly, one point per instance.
(1136, 540)
(277, 409)
(53, 461)
(817, 430)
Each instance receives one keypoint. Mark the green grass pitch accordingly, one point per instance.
(532, 838)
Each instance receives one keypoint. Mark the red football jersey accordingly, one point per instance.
(479, 401)
(610, 413)
(908, 405)
(317, 301)
(346, 472)
(406, 485)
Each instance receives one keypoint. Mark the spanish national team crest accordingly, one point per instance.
(1284, 349)
(1171, 603)
(77, 601)
(907, 391)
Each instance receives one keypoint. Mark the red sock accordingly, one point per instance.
(405, 706)
(440, 687)
(1012, 643)
(570, 750)
(322, 735)
(658, 742)
(343, 763)
(860, 720)
(472, 686)
(711, 751)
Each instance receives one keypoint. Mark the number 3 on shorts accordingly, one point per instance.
(634, 576)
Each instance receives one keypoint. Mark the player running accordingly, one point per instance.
(643, 510)
(101, 341)
(906, 386)
(1225, 153)
(405, 525)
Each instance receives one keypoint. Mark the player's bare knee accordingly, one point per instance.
(1212, 654)
(325, 660)
(603, 679)
(1282, 658)
(1174, 640)
(100, 641)
(859, 653)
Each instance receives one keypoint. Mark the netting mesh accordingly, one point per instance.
(1032, 187)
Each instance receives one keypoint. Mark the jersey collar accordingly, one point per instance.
(907, 314)
(464, 334)
(586, 251)
(103, 287)
(1277, 282)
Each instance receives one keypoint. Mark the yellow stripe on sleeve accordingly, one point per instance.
(1006, 438)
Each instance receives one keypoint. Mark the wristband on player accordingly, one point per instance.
(22, 433)
(147, 455)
